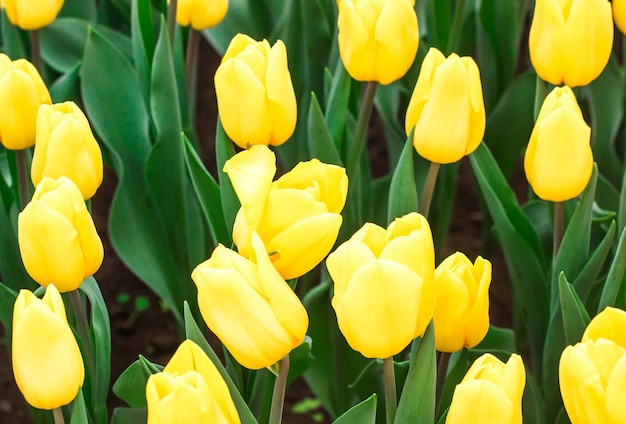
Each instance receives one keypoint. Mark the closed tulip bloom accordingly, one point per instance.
(490, 392)
(570, 41)
(255, 97)
(66, 147)
(559, 160)
(299, 235)
(462, 319)
(189, 390)
(32, 14)
(47, 363)
(592, 378)
(384, 285)
(57, 237)
(249, 306)
(446, 108)
(22, 91)
(619, 14)
(200, 14)
(378, 39)
(609, 324)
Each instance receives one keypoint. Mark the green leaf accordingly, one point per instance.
(13, 44)
(11, 265)
(533, 401)
(621, 214)
(79, 410)
(417, 402)
(129, 415)
(66, 87)
(616, 279)
(337, 103)
(321, 144)
(457, 367)
(362, 413)
(130, 386)
(575, 317)
(7, 299)
(143, 42)
(224, 150)
(498, 341)
(300, 358)
(402, 191)
(79, 8)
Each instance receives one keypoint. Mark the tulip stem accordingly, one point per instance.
(22, 178)
(278, 396)
(429, 188)
(35, 52)
(191, 71)
(558, 229)
(442, 372)
(360, 133)
(457, 26)
(391, 399)
(171, 21)
(57, 413)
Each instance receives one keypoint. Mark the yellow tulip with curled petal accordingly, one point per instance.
(446, 108)
(619, 14)
(189, 390)
(32, 14)
(378, 39)
(490, 392)
(47, 363)
(22, 91)
(384, 285)
(570, 41)
(57, 237)
(300, 235)
(200, 14)
(609, 324)
(66, 147)
(249, 306)
(462, 319)
(255, 96)
(558, 160)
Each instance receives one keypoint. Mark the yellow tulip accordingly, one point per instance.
(384, 285)
(66, 147)
(490, 392)
(32, 14)
(300, 235)
(592, 378)
(378, 39)
(47, 363)
(609, 324)
(462, 319)
(559, 160)
(570, 41)
(255, 97)
(446, 108)
(200, 14)
(57, 237)
(619, 14)
(22, 91)
(249, 306)
(189, 390)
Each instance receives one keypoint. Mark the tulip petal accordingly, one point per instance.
(421, 92)
(608, 324)
(345, 261)
(18, 110)
(280, 95)
(616, 393)
(452, 312)
(479, 402)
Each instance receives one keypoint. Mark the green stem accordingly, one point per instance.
(35, 51)
(171, 21)
(82, 325)
(191, 71)
(57, 413)
(442, 372)
(360, 134)
(22, 178)
(558, 228)
(457, 26)
(429, 188)
(540, 94)
(278, 396)
(391, 399)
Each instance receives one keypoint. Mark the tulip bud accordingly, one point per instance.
(378, 39)
(490, 392)
(559, 160)
(384, 285)
(57, 237)
(200, 14)
(66, 147)
(570, 41)
(619, 14)
(22, 91)
(448, 90)
(255, 97)
(47, 363)
(301, 235)
(32, 14)
(249, 306)
(189, 390)
(462, 319)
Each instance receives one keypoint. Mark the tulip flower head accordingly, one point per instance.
(66, 147)
(255, 96)
(559, 160)
(57, 237)
(570, 41)
(490, 392)
(619, 14)
(189, 390)
(462, 317)
(32, 14)
(200, 14)
(22, 91)
(249, 306)
(384, 285)
(378, 39)
(300, 235)
(446, 108)
(47, 363)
